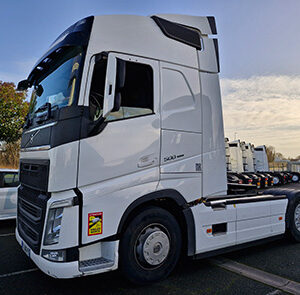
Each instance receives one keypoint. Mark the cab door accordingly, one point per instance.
(128, 140)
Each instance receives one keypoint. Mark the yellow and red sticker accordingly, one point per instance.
(95, 223)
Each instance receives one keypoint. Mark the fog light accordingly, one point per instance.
(54, 255)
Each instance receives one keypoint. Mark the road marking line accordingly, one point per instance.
(258, 275)
(276, 292)
(18, 273)
(7, 235)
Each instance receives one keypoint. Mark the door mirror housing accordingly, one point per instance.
(23, 85)
(114, 82)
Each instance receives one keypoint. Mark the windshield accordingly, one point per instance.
(58, 83)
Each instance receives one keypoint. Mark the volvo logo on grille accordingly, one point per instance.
(32, 136)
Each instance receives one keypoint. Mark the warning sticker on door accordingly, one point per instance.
(95, 223)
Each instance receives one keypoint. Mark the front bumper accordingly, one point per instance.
(66, 270)
(61, 270)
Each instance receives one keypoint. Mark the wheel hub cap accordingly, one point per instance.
(156, 248)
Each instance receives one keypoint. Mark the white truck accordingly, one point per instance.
(122, 160)
(261, 159)
(236, 156)
(248, 156)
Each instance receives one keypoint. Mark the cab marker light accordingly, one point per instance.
(209, 230)
(280, 218)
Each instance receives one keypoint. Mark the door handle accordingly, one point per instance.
(146, 161)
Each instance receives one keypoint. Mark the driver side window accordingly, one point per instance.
(97, 90)
(137, 94)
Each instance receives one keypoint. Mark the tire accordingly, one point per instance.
(276, 180)
(295, 178)
(150, 246)
(293, 219)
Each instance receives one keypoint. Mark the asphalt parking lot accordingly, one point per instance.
(239, 272)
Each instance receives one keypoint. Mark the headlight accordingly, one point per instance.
(53, 226)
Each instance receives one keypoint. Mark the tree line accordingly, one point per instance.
(13, 109)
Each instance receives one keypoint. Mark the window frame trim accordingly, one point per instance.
(154, 64)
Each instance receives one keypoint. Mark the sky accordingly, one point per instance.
(259, 44)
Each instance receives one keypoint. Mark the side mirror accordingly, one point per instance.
(120, 82)
(114, 82)
(23, 85)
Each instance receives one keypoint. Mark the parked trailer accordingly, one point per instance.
(122, 160)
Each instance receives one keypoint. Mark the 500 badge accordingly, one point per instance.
(95, 223)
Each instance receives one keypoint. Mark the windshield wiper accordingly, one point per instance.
(45, 107)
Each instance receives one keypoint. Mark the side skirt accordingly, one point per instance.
(236, 247)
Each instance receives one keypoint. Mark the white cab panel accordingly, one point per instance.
(112, 197)
(63, 167)
(189, 185)
(207, 57)
(119, 149)
(189, 165)
(214, 162)
(178, 147)
(180, 98)
(138, 35)
(205, 217)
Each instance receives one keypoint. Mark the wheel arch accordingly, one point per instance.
(172, 201)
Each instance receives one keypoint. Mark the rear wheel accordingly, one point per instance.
(150, 246)
(294, 220)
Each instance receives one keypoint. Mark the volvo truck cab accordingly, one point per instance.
(122, 160)
(261, 158)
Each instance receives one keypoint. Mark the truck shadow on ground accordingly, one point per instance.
(190, 276)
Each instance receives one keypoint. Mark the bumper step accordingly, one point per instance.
(94, 264)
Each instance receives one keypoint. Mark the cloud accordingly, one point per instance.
(264, 110)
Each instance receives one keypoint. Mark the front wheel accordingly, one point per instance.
(150, 246)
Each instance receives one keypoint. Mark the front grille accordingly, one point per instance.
(32, 206)
(30, 210)
(26, 230)
(35, 174)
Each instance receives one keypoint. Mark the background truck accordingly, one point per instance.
(122, 160)
(236, 156)
(261, 159)
(248, 157)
